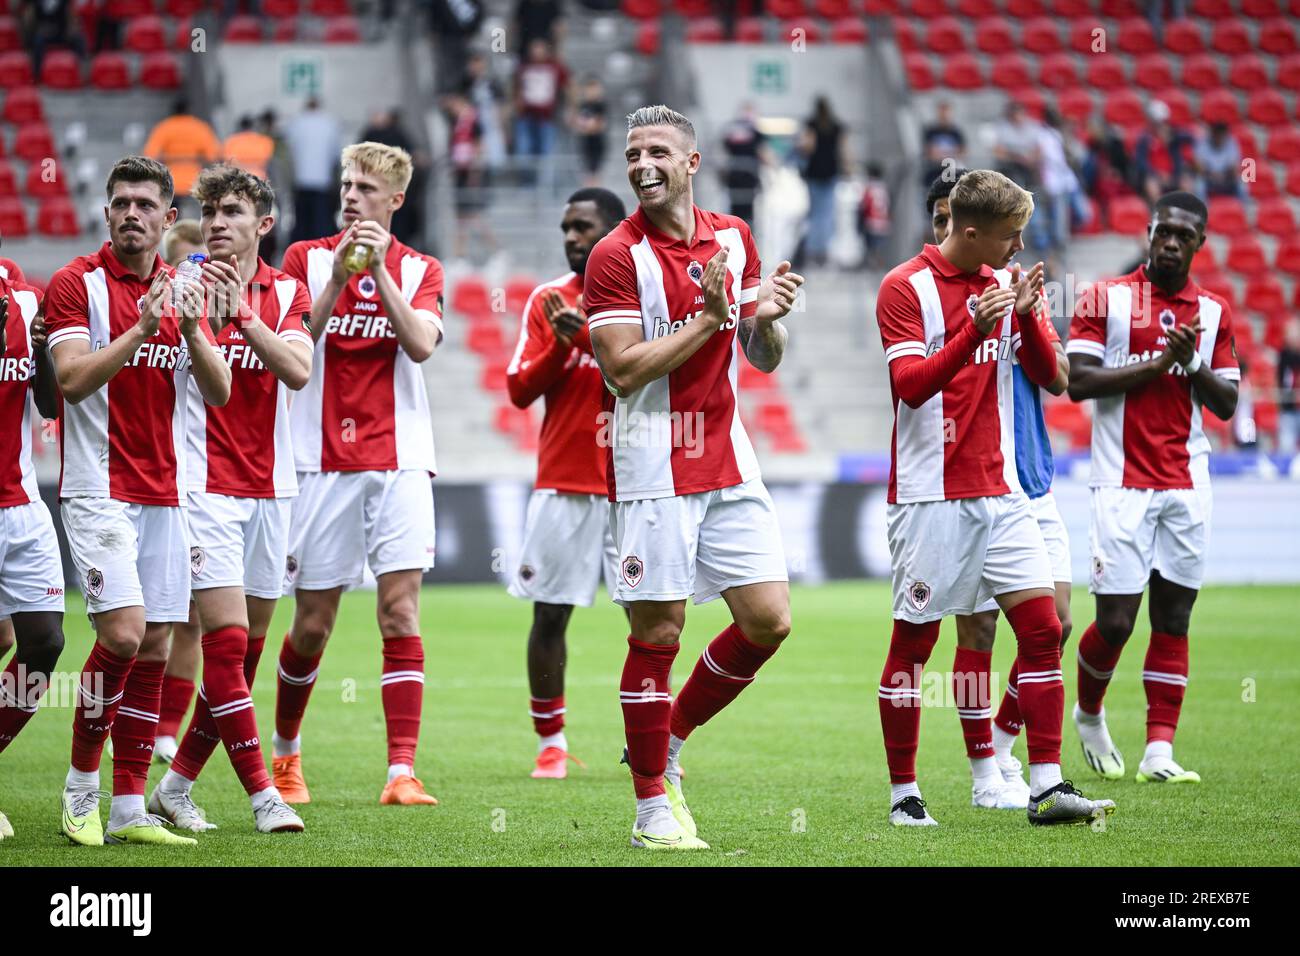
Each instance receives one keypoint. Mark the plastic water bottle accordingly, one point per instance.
(188, 272)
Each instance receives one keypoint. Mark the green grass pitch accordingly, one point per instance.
(793, 773)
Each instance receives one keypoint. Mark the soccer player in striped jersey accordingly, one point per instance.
(960, 527)
(1151, 348)
(999, 784)
(567, 547)
(241, 486)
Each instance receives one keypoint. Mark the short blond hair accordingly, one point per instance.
(661, 115)
(984, 196)
(392, 164)
(182, 230)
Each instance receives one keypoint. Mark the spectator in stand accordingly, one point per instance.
(469, 177)
(249, 149)
(49, 24)
(182, 239)
(313, 139)
(874, 221)
(452, 23)
(489, 102)
(537, 20)
(1156, 13)
(539, 90)
(943, 142)
(184, 144)
(590, 127)
(822, 147)
(1288, 390)
(1217, 157)
(1016, 144)
(1062, 197)
(747, 154)
(408, 222)
(1162, 156)
(1105, 165)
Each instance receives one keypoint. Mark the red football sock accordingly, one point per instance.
(136, 726)
(18, 699)
(646, 703)
(296, 677)
(99, 695)
(1164, 676)
(176, 695)
(1097, 661)
(1008, 717)
(402, 688)
(547, 714)
(970, 688)
(726, 667)
(900, 695)
(1042, 694)
(202, 736)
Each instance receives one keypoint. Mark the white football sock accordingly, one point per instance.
(125, 809)
(901, 791)
(1158, 749)
(1003, 742)
(655, 810)
(173, 782)
(285, 748)
(553, 740)
(396, 770)
(674, 751)
(984, 771)
(263, 797)
(1043, 777)
(81, 779)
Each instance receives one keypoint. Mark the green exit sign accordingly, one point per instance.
(302, 76)
(769, 76)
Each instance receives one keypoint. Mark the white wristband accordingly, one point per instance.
(1194, 365)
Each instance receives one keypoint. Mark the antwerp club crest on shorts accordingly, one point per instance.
(290, 568)
(1098, 568)
(94, 582)
(695, 272)
(919, 595)
(366, 286)
(526, 572)
(633, 570)
(197, 560)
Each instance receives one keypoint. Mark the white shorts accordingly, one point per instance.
(949, 557)
(31, 569)
(568, 549)
(696, 545)
(1055, 536)
(1134, 531)
(238, 542)
(130, 555)
(342, 520)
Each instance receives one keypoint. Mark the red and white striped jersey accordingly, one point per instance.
(366, 407)
(570, 459)
(244, 449)
(126, 441)
(680, 434)
(17, 477)
(1151, 436)
(961, 442)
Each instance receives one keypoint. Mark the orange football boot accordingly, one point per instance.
(553, 764)
(286, 774)
(406, 791)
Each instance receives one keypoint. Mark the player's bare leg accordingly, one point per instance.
(39, 636)
(1099, 651)
(402, 684)
(1164, 676)
(313, 621)
(972, 690)
(178, 685)
(547, 656)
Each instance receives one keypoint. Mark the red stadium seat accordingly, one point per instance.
(849, 30)
(284, 31)
(1106, 73)
(13, 219)
(1260, 9)
(705, 30)
(329, 8)
(281, 9)
(492, 377)
(1288, 72)
(1057, 71)
(39, 185)
(1228, 215)
(342, 30)
(1212, 9)
(1087, 36)
(1245, 135)
(1136, 36)
(1071, 420)
(1184, 37)
(160, 71)
(484, 337)
(1265, 185)
(1277, 36)
(16, 69)
(945, 35)
(61, 70)
(1180, 107)
(928, 9)
(1230, 36)
(34, 142)
(785, 9)
(647, 38)
(145, 35)
(919, 74)
(183, 38)
(1153, 71)
(1267, 108)
(1075, 104)
(244, 29)
(1204, 263)
(1287, 257)
(904, 35)
(642, 9)
(109, 71)
(1124, 108)
(1248, 72)
(23, 105)
(1041, 35)
(1293, 178)
(8, 181)
(1201, 72)
(962, 71)
(1024, 9)
(1245, 254)
(57, 218)
(802, 29)
(751, 30)
(977, 9)
(882, 8)
(995, 36)
(183, 8)
(1118, 8)
(128, 9)
(10, 38)
(1220, 106)
(470, 297)
(1221, 285)
(1129, 215)
(1283, 144)
(518, 289)
(1264, 294)
(1273, 217)
(1034, 102)
(1011, 72)
(835, 9)
(690, 9)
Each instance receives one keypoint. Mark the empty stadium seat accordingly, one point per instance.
(1284, 144)
(1010, 71)
(23, 105)
(243, 29)
(1184, 37)
(128, 9)
(849, 30)
(57, 218)
(1057, 71)
(10, 38)
(1085, 38)
(1260, 9)
(34, 142)
(1228, 215)
(1288, 72)
(1070, 419)
(1220, 106)
(962, 71)
(1180, 107)
(945, 35)
(492, 377)
(691, 9)
(705, 30)
(648, 37)
(13, 219)
(1153, 71)
(1075, 104)
(1212, 9)
(785, 9)
(159, 71)
(1287, 257)
(470, 297)
(919, 74)
(183, 8)
(1265, 184)
(329, 8)
(642, 9)
(37, 185)
(1106, 73)
(1264, 294)
(183, 39)
(1136, 36)
(1129, 215)
(1034, 102)
(995, 36)
(801, 29)
(882, 8)
(8, 181)
(1221, 285)
(1124, 108)
(1119, 8)
(61, 70)
(1248, 72)
(109, 71)
(904, 34)
(145, 35)
(1293, 178)
(1245, 135)
(285, 30)
(1267, 108)
(977, 9)
(282, 9)
(751, 30)
(835, 9)
(1230, 36)
(1245, 254)
(1274, 217)
(16, 69)
(518, 289)
(1201, 72)
(927, 9)
(1204, 263)
(1024, 9)
(484, 337)
(1041, 35)
(342, 30)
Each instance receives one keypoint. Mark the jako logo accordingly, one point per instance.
(103, 909)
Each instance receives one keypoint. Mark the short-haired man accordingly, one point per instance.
(672, 298)
(124, 359)
(363, 444)
(1152, 348)
(567, 547)
(241, 485)
(960, 526)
